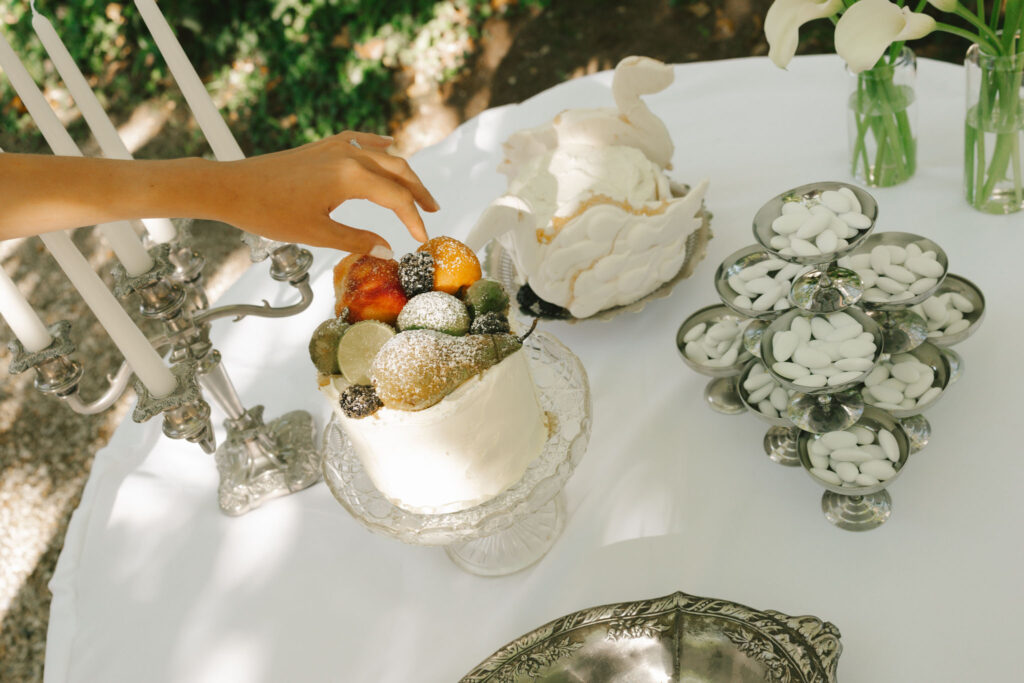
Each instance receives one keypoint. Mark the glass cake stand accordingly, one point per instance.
(507, 533)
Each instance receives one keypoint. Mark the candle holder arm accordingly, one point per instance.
(290, 264)
(239, 311)
(118, 382)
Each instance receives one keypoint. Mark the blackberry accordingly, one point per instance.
(416, 273)
(359, 400)
(489, 323)
(531, 304)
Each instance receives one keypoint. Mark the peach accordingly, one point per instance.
(369, 287)
(455, 264)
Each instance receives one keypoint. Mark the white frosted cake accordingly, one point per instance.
(431, 388)
(460, 452)
(590, 217)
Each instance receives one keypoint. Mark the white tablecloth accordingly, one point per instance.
(155, 584)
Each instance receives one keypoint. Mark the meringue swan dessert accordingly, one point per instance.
(431, 388)
(591, 220)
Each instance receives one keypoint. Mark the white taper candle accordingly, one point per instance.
(15, 309)
(120, 235)
(160, 230)
(217, 133)
(136, 349)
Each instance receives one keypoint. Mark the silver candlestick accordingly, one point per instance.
(258, 460)
(186, 414)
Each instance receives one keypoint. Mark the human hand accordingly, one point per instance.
(288, 196)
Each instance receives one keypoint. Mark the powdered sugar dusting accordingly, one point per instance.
(416, 369)
(435, 311)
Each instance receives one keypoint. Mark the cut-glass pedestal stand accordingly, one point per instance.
(513, 530)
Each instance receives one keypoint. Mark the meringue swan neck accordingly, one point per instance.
(630, 122)
(505, 214)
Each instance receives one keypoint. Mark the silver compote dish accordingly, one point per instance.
(679, 637)
(513, 530)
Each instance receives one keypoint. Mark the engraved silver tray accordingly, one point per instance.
(498, 264)
(679, 637)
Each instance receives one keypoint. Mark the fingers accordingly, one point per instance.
(334, 235)
(398, 169)
(391, 194)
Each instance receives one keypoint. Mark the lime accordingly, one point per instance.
(358, 346)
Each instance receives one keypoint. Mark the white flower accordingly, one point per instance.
(944, 5)
(783, 21)
(869, 27)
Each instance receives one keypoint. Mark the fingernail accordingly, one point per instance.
(382, 252)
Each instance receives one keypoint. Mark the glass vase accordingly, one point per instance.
(881, 120)
(994, 132)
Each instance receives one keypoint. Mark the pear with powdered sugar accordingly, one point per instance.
(416, 369)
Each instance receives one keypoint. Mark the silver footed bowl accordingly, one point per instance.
(957, 284)
(783, 322)
(775, 420)
(732, 266)
(804, 194)
(940, 363)
(902, 239)
(679, 637)
(564, 395)
(709, 315)
(873, 419)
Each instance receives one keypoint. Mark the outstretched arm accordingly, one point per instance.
(284, 196)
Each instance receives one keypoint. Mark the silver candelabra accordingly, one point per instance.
(258, 460)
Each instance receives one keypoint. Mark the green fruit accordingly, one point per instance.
(323, 345)
(486, 296)
(418, 368)
(435, 311)
(358, 346)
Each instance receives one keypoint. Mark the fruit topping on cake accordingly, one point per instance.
(435, 311)
(369, 287)
(418, 368)
(416, 273)
(486, 296)
(359, 400)
(455, 264)
(323, 346)
(491, 322)
(358, 346)
(414, 330)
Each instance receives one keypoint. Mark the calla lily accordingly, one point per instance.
(783, 21)
(869, 27)
(944, 5)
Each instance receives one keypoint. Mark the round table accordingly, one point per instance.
(155, 584)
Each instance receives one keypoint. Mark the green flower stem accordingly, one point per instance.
(879, 109)
(999, 111)
(995, 49)
(969, 17)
